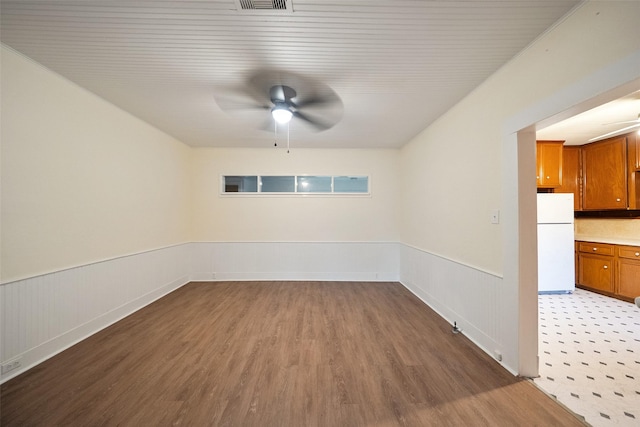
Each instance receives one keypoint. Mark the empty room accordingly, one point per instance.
(235, 212)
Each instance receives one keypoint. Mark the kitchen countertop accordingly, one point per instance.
(611, 240)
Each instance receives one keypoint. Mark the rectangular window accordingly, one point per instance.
(277, 184)
(240, 184)
(295, 184)
(351, 184)
(314, 184)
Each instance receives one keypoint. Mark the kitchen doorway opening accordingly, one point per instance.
(519, 189)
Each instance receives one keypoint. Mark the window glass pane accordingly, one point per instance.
(240, 184)
(351, 184)
(314, 184)
(277, 184)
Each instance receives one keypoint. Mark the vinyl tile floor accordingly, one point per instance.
(589, 348)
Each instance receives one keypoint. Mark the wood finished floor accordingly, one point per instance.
(277, 354)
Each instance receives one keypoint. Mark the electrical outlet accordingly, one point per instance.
(10, 366)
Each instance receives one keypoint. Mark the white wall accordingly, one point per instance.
(82, 180)
(95, 210)
(466, 163)
(294, 218)
(310, 237)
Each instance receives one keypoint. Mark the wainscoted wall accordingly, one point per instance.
(43, 315)
(346, 261)
(459, 293)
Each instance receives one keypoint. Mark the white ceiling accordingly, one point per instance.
(396, 65)
(607, 120)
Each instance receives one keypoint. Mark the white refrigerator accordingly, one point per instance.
(556, 270)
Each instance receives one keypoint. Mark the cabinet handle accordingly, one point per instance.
(637, 253)
(595, 249)
(605, 267)
(617, 200)
(547, 177)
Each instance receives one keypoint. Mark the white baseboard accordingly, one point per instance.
(359, 276)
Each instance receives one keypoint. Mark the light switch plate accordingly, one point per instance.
(495, 216)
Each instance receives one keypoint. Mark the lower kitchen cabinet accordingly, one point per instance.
(596, 272)
(628, 271)
(610, 269)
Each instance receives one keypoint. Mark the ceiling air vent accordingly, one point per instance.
(277, 6)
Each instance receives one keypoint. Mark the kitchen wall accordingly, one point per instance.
(614, 229)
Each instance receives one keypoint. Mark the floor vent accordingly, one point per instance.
(282, 6)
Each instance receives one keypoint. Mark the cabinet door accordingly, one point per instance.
(605, 174)
(549, 163)
(595, 272)
(628, 278)
(571, 175)
(634, 150)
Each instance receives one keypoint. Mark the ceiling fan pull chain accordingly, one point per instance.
(288, 127)
(275, 134)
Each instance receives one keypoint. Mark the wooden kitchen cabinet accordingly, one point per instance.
(610, 269)
(549, 164)
(628, 271)
(595, 272)
(571, 175)
(633, 147)
(604, 174)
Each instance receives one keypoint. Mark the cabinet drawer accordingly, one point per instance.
(596, 248)
(632, 252)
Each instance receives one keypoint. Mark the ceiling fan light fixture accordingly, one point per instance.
(281, 113)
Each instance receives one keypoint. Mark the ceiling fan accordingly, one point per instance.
(286, 96)
(635, 124)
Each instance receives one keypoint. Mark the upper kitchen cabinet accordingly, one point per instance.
(604, 174)
(571, 175)
(634, 151)
(633, 170)
(549, 164)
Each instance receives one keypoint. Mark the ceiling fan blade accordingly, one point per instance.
(234, 106)
(318, 99)
(231, 99)
(317, 124)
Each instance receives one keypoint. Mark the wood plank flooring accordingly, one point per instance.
(277, 354)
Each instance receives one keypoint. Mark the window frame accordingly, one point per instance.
(295, 193)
